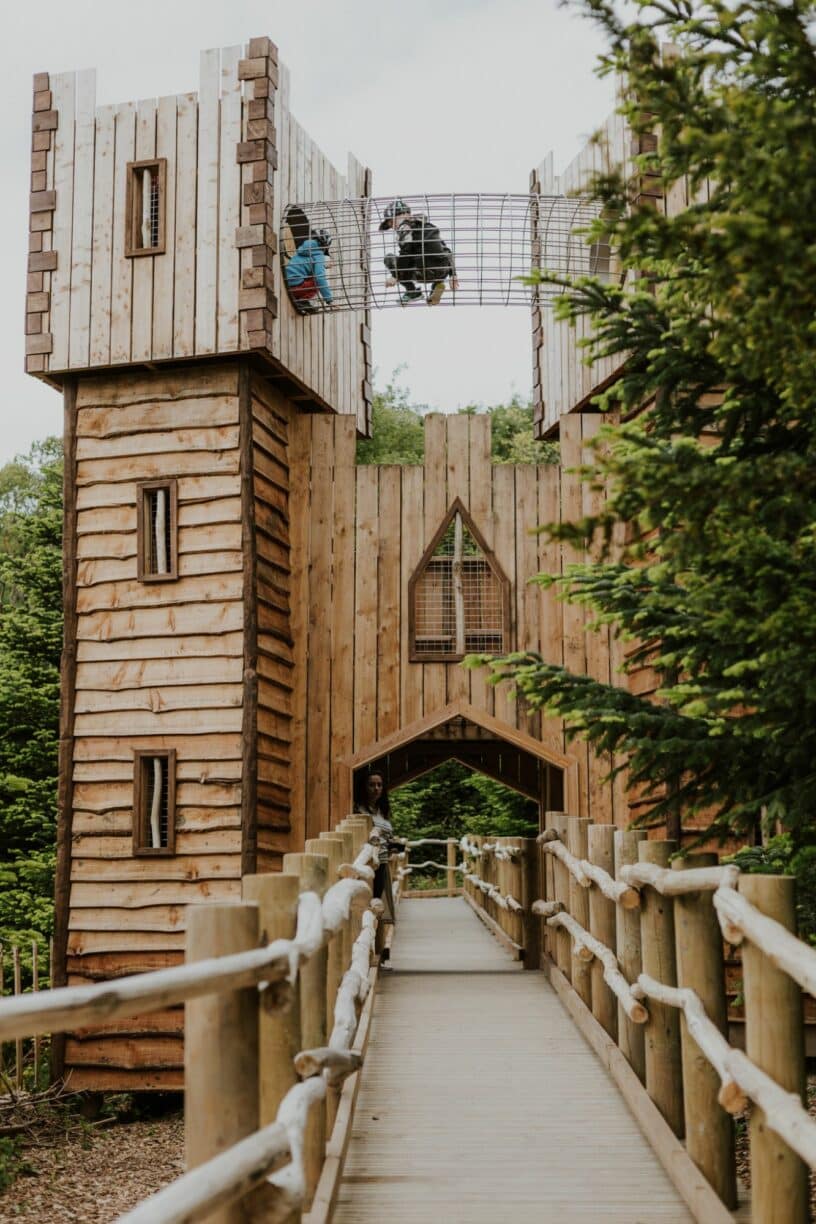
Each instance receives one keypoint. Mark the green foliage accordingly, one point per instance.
(398, 430)
(397, 433)
(717, 479)
(452, 800)
(30, 644)
(782, 856)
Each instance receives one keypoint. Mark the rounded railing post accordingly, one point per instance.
(530, 892)
(774, 1040)
(563, 945)
(331, 848)
(627, 928)
(276, 896)
(664, 1070)
(577, 839)
(701, 968)
(221, 1103)
(601, 851)
(451, 849)
(312, 872)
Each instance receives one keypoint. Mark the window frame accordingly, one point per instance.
(435, 656)
(141, 847)
(143, 487)
(132, 249)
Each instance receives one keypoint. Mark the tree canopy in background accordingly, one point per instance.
(398, 434)
(717, 480)
(30, 644)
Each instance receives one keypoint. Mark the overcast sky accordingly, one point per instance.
(433, 95)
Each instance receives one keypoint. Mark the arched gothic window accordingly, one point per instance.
(458, 596)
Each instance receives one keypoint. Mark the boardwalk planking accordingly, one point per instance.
(477, 1134)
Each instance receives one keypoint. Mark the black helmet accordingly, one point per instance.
(323, 239)
(397, 208)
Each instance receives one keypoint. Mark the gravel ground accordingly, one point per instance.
(93, 1175)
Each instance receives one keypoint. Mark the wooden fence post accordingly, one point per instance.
(276, 896)
(664, 1068)
(331, 849)
(577, 840)
(701, 968)
(451, 848)
(18, 1044)
(774, 1040)
(530, 892)
(601, 851)
(563, 946)
(348, 934)
(627, 928)
(312, 872)
(220, 1045)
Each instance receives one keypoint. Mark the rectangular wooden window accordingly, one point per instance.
(145, 206)
(157, 530)
(154, 801)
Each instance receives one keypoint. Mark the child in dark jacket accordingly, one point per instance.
(305, 273)
(423, 255)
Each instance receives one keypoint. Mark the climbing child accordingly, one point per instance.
(422, 256)
(305, 273)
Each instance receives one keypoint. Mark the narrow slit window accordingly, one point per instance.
(157, 530)
(145, 207)
(458, 596)
(154, 801)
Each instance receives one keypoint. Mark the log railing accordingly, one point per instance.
(501, 884)
(274, 988)
(637, 934)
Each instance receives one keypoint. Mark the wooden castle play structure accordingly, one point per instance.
(252, 619)
(249, 617)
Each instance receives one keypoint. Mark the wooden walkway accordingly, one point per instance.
(480, 1101)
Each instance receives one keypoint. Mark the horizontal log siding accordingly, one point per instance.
(159, 666)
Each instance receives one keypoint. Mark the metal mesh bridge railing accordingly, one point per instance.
(453, 250)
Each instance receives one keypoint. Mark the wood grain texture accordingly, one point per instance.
(520, 1155)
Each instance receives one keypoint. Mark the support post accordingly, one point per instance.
(701, 968)
(577, 844)
(332, 849)
(276, 896)
(774, 1040)
(530, 892)
(451, 848)
(220, 1045)
(601, 851)
(664, 1069)
(563, 949)
(311, 870)
(627, 923)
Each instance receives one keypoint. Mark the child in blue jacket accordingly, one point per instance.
(306, 273)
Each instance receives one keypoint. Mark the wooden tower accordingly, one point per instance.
(154, 304)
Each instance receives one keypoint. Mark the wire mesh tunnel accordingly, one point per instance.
(452, 250)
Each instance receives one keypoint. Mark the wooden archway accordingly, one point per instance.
(477, 740)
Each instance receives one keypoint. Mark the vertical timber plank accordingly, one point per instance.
(207, 206)
(142, 318)
(101, 258)
(481, 510)
(527, 593)
(504, 512)
(82, 227)
(320, 573)
(388, 619)
(435, 507)
(574, 647)
(458, 678)
(164, 266)
(300, 448)
(229, 203)
(122, 278)
(342, 607)
(184, 270)
(63, 88)
(365, 620)
(410, 552)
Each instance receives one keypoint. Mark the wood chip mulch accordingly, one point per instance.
(92, 1176)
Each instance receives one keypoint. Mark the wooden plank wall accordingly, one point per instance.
(90, 307)
(159, 665)
(366, 531)
(271, 421)
(565, 384)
